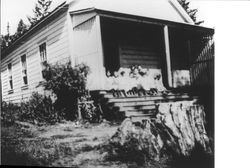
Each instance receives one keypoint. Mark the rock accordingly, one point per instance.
(186, 122)
(176, 131)
(136, 142)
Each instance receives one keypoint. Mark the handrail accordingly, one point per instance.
(201, 70)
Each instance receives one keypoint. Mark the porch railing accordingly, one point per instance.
(202, 69)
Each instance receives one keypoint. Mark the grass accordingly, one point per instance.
(58, 145)
(30, 145)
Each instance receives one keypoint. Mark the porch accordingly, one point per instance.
(175, 60)
(181, 56)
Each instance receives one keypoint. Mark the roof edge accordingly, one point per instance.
(181, 11)
(13, 45)
(117, 15)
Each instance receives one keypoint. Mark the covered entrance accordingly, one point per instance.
(128, 43)
(170, 48)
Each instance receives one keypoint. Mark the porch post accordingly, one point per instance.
(167, 51)
(101, 68)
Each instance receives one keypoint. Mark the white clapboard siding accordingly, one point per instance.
(55, 34)
(137, 55)
(86, 50)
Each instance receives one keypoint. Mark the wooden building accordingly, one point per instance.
(107, 35)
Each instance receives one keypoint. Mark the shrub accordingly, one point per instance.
(68, 84)
(9, 112)
(90, 111)
(40, 109)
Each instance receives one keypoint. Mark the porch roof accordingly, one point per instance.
(169, 10)
(129, 17)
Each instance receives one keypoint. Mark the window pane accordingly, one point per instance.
(25, 80)
(10, 76)
(43, 53)
(24, 69)
(11, 84)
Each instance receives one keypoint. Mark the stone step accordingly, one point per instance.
(138, 107)
(139, 113)
(128, 96)
(129, 99)
(133, 103)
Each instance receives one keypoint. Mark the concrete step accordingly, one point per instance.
(138, 107)
(129, 99)
(133, 103)
(139, 113)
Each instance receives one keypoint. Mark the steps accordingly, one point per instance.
(134, 106)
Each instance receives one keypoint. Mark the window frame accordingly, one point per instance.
(10, 77)
(43, 54)
(24, 71)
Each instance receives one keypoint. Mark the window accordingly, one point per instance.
(43, 54)
(24, 70)
(10, 76)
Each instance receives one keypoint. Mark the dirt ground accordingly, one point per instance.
(61, 145)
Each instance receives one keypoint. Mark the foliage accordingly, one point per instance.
(39, 109)
(21, 29)
(90, 111)
(41, 10)
(190, 12)
(9, 113)
(8, 39)
(68, 84)
(17, 150)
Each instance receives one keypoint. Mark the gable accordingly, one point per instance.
(169, 10)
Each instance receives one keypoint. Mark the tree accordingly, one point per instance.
(191, 12)
(21, 28)
(41, 10)
(6, 39)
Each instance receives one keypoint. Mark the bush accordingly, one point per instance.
(39, 109)
(68, 84)
(9, 113)
(90, 111)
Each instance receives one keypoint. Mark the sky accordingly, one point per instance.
(14, 10)
(231, 22)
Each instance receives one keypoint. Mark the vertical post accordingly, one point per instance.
(167, 51)
(100, 53)
(71, 40)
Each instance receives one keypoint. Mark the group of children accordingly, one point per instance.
(137, 81)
